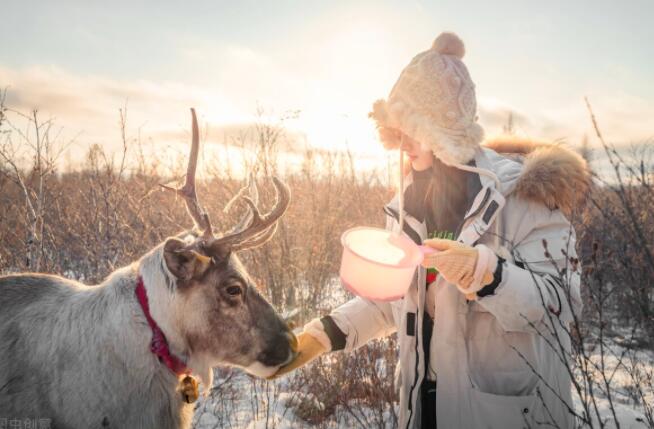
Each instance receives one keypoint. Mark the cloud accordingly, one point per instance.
(623, 119)
(494, 114)
(87, 105)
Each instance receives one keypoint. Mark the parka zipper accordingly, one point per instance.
(418, 338)
(480, 207)
(406, 229)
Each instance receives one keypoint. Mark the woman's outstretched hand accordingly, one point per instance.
(469, 268)
(312, 343)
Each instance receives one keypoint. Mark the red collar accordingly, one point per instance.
(159, 345)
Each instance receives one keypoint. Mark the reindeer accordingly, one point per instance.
(120, 354)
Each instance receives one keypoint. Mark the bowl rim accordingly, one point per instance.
(383, 264)
(356, 292)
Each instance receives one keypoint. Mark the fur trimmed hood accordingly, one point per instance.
(551, 174)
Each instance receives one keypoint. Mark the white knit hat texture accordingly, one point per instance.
(434, 103)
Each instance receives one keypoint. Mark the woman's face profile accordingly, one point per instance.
(420, 158)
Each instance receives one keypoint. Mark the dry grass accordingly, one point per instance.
(86, 223)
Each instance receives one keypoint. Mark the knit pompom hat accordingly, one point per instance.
(434, 103)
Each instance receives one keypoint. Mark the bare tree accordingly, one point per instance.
(30, 154)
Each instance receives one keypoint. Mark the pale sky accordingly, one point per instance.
(80, 61)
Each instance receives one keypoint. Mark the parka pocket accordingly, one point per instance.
(502, 412)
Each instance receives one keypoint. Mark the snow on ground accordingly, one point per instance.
(259, 405)
(622, 367)
(239, 401)
(627, 416)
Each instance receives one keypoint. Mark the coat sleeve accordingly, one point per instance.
(543, 277)
(361, 320)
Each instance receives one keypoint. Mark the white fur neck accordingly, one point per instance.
(160, 285)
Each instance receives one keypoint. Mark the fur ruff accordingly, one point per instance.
(552, 173)
(451, 146)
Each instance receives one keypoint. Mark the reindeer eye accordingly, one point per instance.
(234, 290)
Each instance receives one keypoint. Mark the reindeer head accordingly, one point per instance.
(213, 308)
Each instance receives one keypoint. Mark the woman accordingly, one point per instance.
(481, 331)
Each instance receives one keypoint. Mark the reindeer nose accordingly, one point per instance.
(292, 341)
(280, 349)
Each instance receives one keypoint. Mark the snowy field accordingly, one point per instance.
(238, 401)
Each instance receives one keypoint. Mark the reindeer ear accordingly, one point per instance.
(185, 264)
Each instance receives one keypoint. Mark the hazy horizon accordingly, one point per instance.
(80, 63)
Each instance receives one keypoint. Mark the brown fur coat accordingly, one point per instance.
(552, 174)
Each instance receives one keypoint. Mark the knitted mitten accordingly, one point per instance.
(312, 343)
(188, 387)
(469, 268)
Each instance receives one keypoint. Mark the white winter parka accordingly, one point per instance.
(497, 358)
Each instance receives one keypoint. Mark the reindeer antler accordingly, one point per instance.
(198, 214)
(259, 229)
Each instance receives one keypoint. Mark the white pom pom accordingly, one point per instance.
(449, 44)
